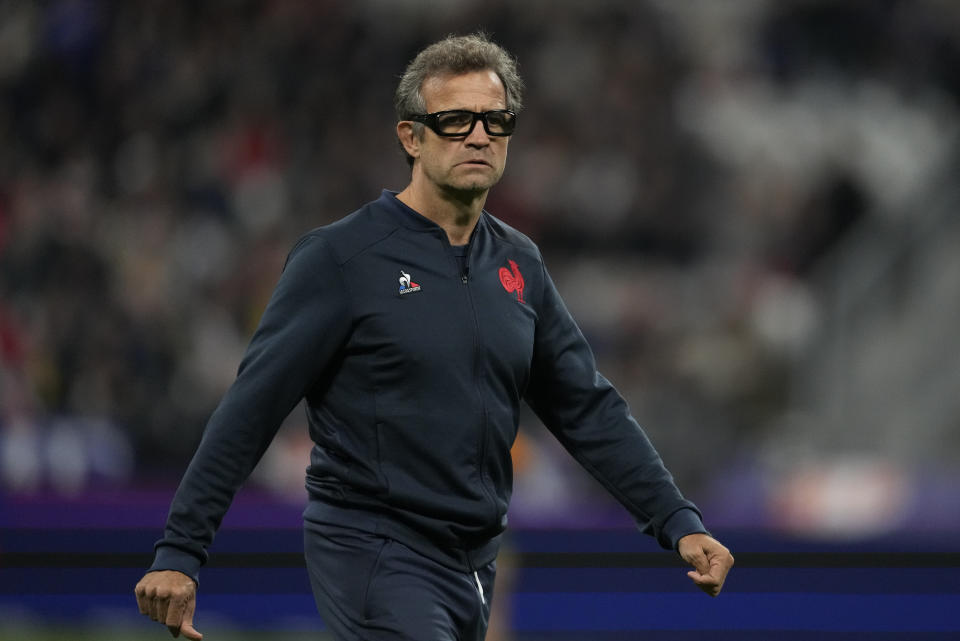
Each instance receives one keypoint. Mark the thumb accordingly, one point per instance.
(699, 561)
(186, 627)
(190, 632)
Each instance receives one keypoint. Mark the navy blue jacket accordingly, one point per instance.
(413, 370)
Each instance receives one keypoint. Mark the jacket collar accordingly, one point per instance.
(410, 218)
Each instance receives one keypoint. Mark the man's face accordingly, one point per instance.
(474, 162)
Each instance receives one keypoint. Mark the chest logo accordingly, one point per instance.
(512, 281)
(407, 286)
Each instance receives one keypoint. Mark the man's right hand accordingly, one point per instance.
(169, 597)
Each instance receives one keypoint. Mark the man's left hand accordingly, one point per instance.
(710, 559)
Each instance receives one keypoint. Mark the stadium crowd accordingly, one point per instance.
(683, 166)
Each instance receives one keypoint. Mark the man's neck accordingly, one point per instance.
(456, 212)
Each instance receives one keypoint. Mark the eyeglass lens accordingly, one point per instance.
(461, 122)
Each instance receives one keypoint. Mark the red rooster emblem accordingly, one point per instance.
(512, 282)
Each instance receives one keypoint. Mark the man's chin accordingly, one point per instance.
(474, 186)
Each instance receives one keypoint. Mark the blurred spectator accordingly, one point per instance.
(684, 166)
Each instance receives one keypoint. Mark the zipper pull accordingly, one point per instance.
(463, 278)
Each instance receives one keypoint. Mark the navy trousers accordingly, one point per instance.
(371, 588)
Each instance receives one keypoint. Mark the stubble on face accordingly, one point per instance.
(471, 165)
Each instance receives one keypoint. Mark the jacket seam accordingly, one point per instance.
(366, 247)
(343, 280)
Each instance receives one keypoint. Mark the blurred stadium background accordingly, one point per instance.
(750, 206)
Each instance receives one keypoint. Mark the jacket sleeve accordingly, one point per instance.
(592, 421)
(303, 326)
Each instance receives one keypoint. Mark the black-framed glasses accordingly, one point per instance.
(460, 122)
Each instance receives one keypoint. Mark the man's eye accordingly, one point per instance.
(455, 119)
(497, 120)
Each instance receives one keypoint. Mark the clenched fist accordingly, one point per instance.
(169, 597)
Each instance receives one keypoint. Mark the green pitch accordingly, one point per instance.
(88, 632)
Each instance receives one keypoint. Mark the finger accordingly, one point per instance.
(720, 563)
(151, 603)
(702, 579)
(698, 560)
(707, 583)
(186, 628)
(160, 613)
(175, 615)
(143, 603)
(713, 580)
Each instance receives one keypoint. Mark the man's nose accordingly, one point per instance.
(478, 135)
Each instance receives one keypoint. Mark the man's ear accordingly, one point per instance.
(408, 138)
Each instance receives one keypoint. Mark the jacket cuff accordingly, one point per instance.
(171, 558)
(681, 523)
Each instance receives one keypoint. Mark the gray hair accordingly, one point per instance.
(455, 55)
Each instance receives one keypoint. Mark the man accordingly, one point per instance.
(414, 327)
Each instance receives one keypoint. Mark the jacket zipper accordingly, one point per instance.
(477, 368)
